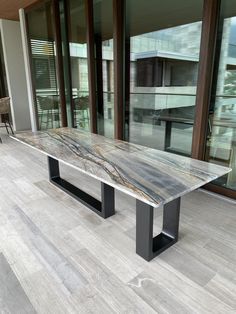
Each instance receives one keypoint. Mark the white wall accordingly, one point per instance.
(16, 76)
(28, 70)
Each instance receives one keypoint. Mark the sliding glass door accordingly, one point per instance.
(43, 63)
(103, 41)
(164, 42)
(221, 143)
(77, 31)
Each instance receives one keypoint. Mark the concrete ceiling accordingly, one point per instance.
(9, 8)
(143, 16)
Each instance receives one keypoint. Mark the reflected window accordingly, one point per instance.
(157, 72)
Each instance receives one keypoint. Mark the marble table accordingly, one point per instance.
(153, 177)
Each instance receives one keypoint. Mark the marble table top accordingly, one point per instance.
(152, 176)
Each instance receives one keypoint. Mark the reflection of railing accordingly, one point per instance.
(79, 93)
(169, 121)
(231, 50)
(152, 93)
(172, 113)
(227, 96)
(81, 109)
(145, 103)
(47, 92)
(55, 92)
(161, 101)
(147, 106)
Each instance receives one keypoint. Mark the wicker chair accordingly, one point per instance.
(5, 114)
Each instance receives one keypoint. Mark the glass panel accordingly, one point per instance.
(42, 44)
(79, 64)
(221, 145)
(103, 34)
(164, 54)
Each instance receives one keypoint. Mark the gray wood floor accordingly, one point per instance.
(56, 256)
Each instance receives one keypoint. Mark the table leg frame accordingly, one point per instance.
(104, 208)
(147, 246)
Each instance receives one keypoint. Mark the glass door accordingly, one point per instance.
(103, 40)
(221, 141)
(41, 35)
(164, 43)
(77, 30)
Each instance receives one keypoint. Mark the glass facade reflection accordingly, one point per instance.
(162, 77)
(161, 60)
(221, 144)
(42, 45)
(79, 64)
(103, 39)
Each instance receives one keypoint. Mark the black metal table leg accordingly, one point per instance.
(53, 168)
(147, 246)
(108, 200)
(104, 208)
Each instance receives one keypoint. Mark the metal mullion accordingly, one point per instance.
(64, 6)
(119, 67)
(211, 15)
(91, 65)
(59, 61)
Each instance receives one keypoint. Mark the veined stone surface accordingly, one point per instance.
(152, 176)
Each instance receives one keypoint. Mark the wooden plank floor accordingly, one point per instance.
(56, 256)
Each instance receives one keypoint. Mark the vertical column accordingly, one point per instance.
(15, 74)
